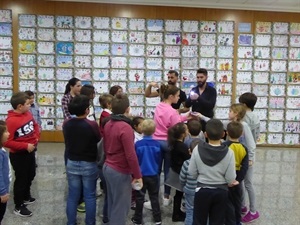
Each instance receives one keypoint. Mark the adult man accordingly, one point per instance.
(172, 80)
(203, 97)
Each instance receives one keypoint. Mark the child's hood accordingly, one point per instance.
(252, 120)
(12, 113)
(212, 155)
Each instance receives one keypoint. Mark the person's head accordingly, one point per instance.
(234, 129)
(177, 132)
(249, 99)
(194, 127)
(170, 92)
(137, 123)
(105, 101)
(73, 86)
(88, 90)
(148, 127)
(3, 133)
(79, 105)
(30, 95)
(201, 77)
(120, 104)
(20, 102)
(116, 89)
(172, 77)
(237, 112)
(214, 130)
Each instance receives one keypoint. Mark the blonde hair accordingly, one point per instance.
(239, 109)
(105, 99)
(148, 127)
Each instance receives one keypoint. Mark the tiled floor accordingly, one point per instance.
(277, 181)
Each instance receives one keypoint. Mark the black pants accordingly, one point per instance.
(23, 164)
(210, 203)
(2, 211)
(150, 184)
(234, 205)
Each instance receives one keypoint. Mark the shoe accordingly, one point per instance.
(30, 201)
(147, 205)
(81, 207)
(250, 217)
(167, 201)
(182, 207)
(133, 205)
(22, 211)
(244, 210)
(157, 223)
(134, 222)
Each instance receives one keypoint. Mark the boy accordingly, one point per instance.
(234, 131)
(213, 166)
(34, 109)
(121, 167)
(149, 156)
(105, 103)
(22, 143)
(195, 132)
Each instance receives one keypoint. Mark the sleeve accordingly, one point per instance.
(208, 101)
(193, 170)
(244, 167)
(183, 173)
(3, 190)
(230, 173)
(39, 121)
(64, 103)
(11, 143)
(36, 129)
(249, 142)
(176, 118)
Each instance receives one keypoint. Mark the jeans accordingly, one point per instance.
(166, 160)
(82, 175)
(189, 206)
(104, 210)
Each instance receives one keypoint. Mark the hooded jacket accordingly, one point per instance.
(254, 123)
(212, 166)
(23, 131)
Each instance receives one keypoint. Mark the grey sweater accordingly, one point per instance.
(212, 166)
(254, 123)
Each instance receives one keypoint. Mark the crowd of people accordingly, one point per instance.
(208, 164)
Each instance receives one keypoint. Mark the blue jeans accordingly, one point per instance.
(166, 160)
(105, 207)
(82, 175)
(189, 206)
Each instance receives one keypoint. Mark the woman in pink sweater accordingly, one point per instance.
(165, 116)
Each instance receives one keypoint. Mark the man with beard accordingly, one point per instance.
(203, 97)
(172, 80)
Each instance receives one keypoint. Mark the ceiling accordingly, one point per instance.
(261, 5)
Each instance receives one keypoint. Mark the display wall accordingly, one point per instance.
(133, 45)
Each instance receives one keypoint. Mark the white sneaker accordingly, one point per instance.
(167, 201)
(147, 205)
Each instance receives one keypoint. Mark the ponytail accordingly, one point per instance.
(72, 82)
(175, 133)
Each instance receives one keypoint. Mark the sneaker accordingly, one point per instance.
(157, 223)
(167, 201)
(22, 211)
(182, 207)
(244, 210)
(147, 205)
(81, 207)
(29, 201)
(134, 222)
(250, 217)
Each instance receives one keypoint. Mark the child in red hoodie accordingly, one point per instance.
(22, 143)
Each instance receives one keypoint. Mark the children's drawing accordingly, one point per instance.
(152, 75)
(64, 35)
(226, 26)
(27, 47)
(136, 75)
(25, 85)
(172, 51)
(46, 73)
(245, 39)
(261, 77)
(48, 124)
(5, 42)
(45, 21)
(101, 22)
(294, 40)
(6, 29)
(6, 82)
(294, 53)
(154, 51)
(155, 38)
(277, 90)
(24, 60)
(101, 62)
(120, 75)
(101, 49)
(208, 39)
(279, 65)
(64, 48)
(47, 112)
(135, 100)
(224, 89)
(274, 139)
(244, 77)
(190, 51)
(136, 62)
(4, 107)
(46, 86)
(263, 126)
(64, 61)
(261, 65)
(83, 74)
(45, 34)
(208, 63)
(155, 25)
(262, 53)
(137, 37)
(136, 88)
(83, 35)
(292, 127)
(226, 39)
(58, 102)
(263, 27)
(225, 51)
(154, 63)
(207, 51)
(137, 50)
(280, 28)
(260, 89)
(208, 26)
(101, 87)
(45, 99)
(46, 60)
(137, 24)
(293, 103)
(25, 33)
(293, 115)
(27, 73)
(261, 113)
(295, 28)
(6, 57)
(26, 20)
(45, 47)
(294, 78)
(221, 113)
(276, 103)
(152, 102)
(137, 111)
(262, 102)
(293, 90)
(281, 53)
(83, 22)
(119, 23)
(5, 16)
(119, 49)
(83, 48)
(82, 61)
(5, 95)
(280, 40)
(64, 22)
(118, 62)
(189, 63)
(101, 35)
(224, 64)
(294, 66)
(262, 139)
(224, 76)
(223, 101)
(119, 36)
(292, 139)
(242, 88)
(245, 52)
(171, 64)
(263, 40)
(190, 26)
(189, 39)
(278, 78)
(6, 69)
(100, 74)
(173, 25)
(64, 74)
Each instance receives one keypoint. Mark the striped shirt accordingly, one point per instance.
(186, 180)
(66, 99)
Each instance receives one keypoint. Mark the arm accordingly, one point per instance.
(148, 91)
(244, 167)
(230, 173)
(193, 170)
(64, 103)
(249, 142)
(183, 173)
(3, 190)
(209, 100)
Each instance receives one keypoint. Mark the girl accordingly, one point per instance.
(136, 123)
(4, 170)
(116, 89)
(89, 90)
(179, 153)
(165, 117)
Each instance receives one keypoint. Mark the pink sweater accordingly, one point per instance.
(164, 117)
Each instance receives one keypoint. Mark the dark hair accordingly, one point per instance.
(167, 90)
(214, 129)
(114, 89)
(249, 99)
(18, 98)
(87, 90)
(194, 143)
(194, 127)
(29, 93)
(175, 72)
(3, 128)
(175, 132)
(119, 104)
(136, 121)
(203, 71)
(235, 129)
(105, 99)
(148, 127)
(72, 82)
(79, 104)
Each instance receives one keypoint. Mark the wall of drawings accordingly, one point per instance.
(133, 52)
(6, 60)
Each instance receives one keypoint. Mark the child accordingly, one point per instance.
(105, 103)
(89, 90)
(137, 126)
(22, 143)
(237, 113)
(214, 167)
(116, 89)
(149, 156)
(234, 131)
(189, 185)
(4, 170)
(34, 109)
(195, 131)
(121, 167)
(179, 153)
(81, 137)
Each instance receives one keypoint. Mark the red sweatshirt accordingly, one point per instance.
(23, 130)
(119, 148)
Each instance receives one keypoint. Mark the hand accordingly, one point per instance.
(233, 183)
(4, 198)
(154, 84)
(250, 162)
(30, 147)
(140, 181)
(194, 96)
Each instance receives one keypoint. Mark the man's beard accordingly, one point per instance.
(171, 83)
(201, 84)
